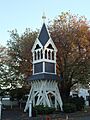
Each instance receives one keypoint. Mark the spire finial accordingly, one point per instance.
(43, 17)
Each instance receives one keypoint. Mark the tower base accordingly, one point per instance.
(44, 92)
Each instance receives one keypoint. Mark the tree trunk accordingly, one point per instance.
(64, 90)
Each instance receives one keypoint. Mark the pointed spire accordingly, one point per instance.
(43, 36)
(43, 17)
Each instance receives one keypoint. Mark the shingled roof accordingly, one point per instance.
(43, 76)
(43, 36)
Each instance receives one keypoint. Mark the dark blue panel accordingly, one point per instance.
(49, 67)
(43, 36)
(38, 67)
(44, 76)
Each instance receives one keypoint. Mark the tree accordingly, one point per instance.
(20, 58)
(71, 35)
(3, 70)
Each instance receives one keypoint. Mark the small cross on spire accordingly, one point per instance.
(43, 17)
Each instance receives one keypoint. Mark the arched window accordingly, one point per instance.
(52, 55)
(37, 47)
(50, 46)
(41, 54)
(35, 55)
(49, 55)
(45, 54)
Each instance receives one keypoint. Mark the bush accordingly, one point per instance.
(79, 102)
(40, 109)
(69, 107)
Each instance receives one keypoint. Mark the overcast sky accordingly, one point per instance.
(21, 14)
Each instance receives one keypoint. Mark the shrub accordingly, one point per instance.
(40, 109)
(69, 107)
(79, 102)
(49, 110)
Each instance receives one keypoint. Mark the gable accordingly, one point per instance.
(51, 43)
(36, 45)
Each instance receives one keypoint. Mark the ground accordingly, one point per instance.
(18, 114)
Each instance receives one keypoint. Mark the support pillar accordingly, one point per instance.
(30, 108)
(41, 90)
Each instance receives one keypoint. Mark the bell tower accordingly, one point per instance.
(44, 88)
(44, 54)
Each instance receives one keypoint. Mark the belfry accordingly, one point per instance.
(44, 89)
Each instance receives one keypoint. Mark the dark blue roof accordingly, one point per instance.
(43, 76)
(43, 36)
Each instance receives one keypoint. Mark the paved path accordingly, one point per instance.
(17, 114)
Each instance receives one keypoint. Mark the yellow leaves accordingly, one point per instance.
(71, 32)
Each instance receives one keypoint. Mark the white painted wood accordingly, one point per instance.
(27, 103)
(40, 92)
(30, 108)
(43, 67)
(55, 68)
(35, 43)
(33, 69)
(43, 90)
(50, 41)
(45, 60)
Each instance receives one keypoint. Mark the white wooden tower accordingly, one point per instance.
(44, 88)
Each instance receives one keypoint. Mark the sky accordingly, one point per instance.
(22, 14)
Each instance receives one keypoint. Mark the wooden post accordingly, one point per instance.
(0, 109)
(30, 108)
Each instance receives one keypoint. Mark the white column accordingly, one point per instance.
(0, 109)
(43, 67)
(55, 61)
(33, 69)
(36, 55)
(30, 108)
(44, 62)
(43, 54)
(55, 56)
(47, 54)
(33, 100)
(55, 101)
(55, 68)
(33, 61)
(50, 55)
(40, 54)
(33, 56)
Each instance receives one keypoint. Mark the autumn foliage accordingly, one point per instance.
(71, 34)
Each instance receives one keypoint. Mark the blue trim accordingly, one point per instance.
(43, 76)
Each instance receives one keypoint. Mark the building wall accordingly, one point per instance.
(7, 102)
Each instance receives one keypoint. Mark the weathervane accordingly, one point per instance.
(43, 17)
